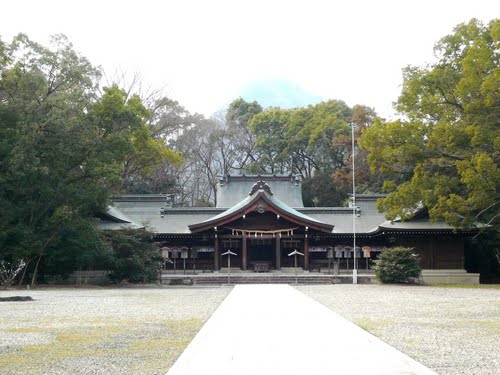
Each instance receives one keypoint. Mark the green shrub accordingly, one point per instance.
(134, 256)
(397, 265)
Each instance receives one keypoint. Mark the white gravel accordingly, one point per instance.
(101, 331)
(143, 331)
(451, 330)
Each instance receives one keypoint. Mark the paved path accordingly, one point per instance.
(275, 329)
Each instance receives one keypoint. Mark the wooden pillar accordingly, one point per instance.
(306, 253)
(216, 254)
(244, 253)
(278, 253)
(431, 250)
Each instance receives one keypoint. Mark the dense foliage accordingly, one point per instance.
(65, 146)
(444, 154)
(397, 265)
(134, 256)
(314, 142)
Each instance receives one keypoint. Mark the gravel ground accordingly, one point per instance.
(451, 330)
(143, 331)
(101, 331)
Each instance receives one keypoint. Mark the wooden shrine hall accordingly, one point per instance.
(261, 220)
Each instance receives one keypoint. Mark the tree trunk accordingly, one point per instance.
(24, 273)
(33, 279)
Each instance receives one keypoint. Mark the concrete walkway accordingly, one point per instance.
(275, 329)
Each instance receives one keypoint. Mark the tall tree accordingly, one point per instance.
(238, 117)
(445, 153)
(300, 140)
(270, 127)
(167, 123)
(63, 149)
(125, 140)
(362, 118)
(210, 153)
(45, 183)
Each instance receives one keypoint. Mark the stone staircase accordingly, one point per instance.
(218, 278)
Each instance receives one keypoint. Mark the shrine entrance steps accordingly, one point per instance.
(275, 277)
(277, 330)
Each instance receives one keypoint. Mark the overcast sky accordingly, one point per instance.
(205, 52)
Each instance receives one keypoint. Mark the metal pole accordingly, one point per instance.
(354, 269)
(295, 253)
(229, 253)
(295, 268)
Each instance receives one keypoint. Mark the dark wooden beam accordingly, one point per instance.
(306, 253)
(216, 254)
(278, 253)
(244, 253)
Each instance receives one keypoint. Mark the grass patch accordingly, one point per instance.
(490, 325)
(153, 347)
(410, 341)
(26, 330)
(468, 286)
(370, 325)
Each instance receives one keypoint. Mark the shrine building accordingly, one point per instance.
(262, 219)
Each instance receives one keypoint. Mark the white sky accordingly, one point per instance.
(204, 52)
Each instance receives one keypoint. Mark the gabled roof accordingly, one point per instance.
(115, 215)
(153, 213)
(233, 189)
(427, 225)
(114, 219)
(261, 200)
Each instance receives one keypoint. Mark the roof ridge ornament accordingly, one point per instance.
(260, 185)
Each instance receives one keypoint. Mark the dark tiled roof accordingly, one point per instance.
(272, 203)
(233, 189)
(151, 211)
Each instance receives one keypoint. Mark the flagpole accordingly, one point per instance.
(354, 268)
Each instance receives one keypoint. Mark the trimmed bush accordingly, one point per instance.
(397, 265)
(134, 257)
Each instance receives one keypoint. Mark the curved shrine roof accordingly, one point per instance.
(152, 211)
(261, 198)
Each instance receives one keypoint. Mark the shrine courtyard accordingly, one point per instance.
(452, 330)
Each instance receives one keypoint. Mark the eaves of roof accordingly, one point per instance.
(270, 203)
